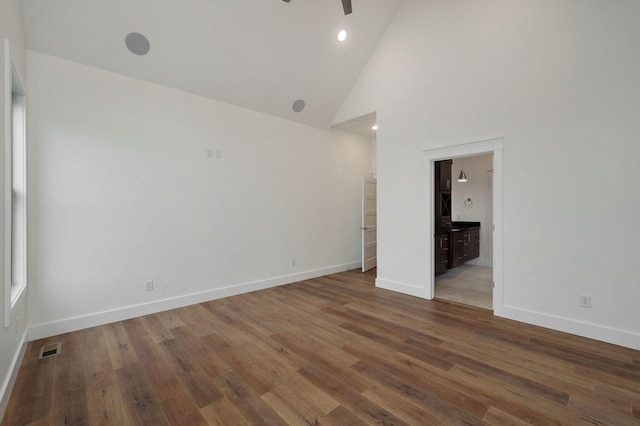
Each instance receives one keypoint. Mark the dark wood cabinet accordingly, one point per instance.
(442, 194)
(442, 217)
(442, 252)
(444, 220)
(443, 175)
(455, 242)
(464, 244)
(459, 243)
(473, 248)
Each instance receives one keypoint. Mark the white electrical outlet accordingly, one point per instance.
(149, 285)
(293, 262)
(209, 152)
(585, 301)
(218, 154)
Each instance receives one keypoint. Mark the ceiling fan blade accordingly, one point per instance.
(346, 5)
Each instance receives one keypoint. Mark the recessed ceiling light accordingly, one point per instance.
(137, 43)
(342, 35)
(374, 127)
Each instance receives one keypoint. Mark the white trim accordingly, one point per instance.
(399, 287)
(491, 146)
(6, 139)
(40, 331)
(12, 374)
(11, 293)
(614, 336)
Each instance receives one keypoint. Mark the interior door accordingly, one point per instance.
(369, 226)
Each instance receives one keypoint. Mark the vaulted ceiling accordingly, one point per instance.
(259, 54)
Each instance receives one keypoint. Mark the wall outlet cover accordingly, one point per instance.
(585, 301)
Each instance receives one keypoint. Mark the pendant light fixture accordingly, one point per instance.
(462, 177)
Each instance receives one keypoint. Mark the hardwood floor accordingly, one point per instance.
(333, 351)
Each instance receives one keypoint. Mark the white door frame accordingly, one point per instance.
(492, 146)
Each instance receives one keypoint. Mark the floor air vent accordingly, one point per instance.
(50, 350)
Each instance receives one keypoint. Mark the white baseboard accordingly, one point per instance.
(626, 338)
(40, 331)
(10, 378)
(409, 289)
(615, 336)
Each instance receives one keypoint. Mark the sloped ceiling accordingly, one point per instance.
(258, 54)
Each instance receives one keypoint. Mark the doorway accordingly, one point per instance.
(493, 147)
(468, 277)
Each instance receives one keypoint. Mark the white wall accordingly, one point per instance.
(478, 189)
(560, 81)
(12, 338)
(374, 156)
(122, 192)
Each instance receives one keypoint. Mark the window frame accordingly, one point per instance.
(15, 96)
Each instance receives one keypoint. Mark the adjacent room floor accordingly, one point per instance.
(467, 284)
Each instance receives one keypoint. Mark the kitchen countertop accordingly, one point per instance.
(460, 226)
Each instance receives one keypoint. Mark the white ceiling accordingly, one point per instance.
(360, 125)
(258, 54)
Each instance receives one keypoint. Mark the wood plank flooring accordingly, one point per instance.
(330, 351)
